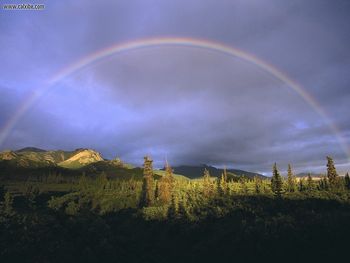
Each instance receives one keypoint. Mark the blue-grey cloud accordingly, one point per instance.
(191, 105)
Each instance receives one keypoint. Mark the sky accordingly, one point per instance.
(184, 104)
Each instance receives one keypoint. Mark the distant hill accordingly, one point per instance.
(197, 172)
(31, 161)
(31, 157)
(306, 174)
(31, 149)
(81, 158)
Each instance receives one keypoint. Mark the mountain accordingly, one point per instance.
(81, 158)
(197, 172)
(31, 157)
(31, 149)
(306, 174)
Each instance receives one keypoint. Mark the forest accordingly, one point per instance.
(168, 218)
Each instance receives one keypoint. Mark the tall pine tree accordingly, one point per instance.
(276, 182)
(291, 181)
(309, 182)
(347, 181)
(166, 185)
(331, 172)
(207, 184)
(222, 183)
(147, 194)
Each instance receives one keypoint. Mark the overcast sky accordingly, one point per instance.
(186, 104)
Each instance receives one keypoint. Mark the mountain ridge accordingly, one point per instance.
(193, 171)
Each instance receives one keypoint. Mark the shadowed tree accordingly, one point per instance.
(147, 194)
(347, 181)
(331, 172)
(276, 182)
(83, 183)
(222, 183)
(166, 184)
(8, 204)
(291, 180)
(182, 211)
(323, 183)
(207, 184)
(309, 183)
(258, 185)
(173, 207)
(156, 192)
(2, 192)
(301, 185)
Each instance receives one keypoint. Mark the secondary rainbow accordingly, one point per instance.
(171, 41)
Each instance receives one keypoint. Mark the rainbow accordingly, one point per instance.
(172, 41)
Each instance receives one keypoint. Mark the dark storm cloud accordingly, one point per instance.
(190, 105)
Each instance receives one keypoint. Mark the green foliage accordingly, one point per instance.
(155, 213)
(99, 216)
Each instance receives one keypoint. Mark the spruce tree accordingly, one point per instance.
(276, 182)
(156, 192)
(147, 193)
(173, 207)
(8, 204)
(207, 184)
(258, 185)
(301, 185)
(182, 212)
(166, 185)
(291, 181)
(331, 172)
(347, 181)
(2, 192)
(83, 183)
(222, 183)
(309, 182)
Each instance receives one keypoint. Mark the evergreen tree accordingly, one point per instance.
(276, 182)
(31, 193)
(147, 194)
(8, 204)
(182, 212)
(2, 192)
(323, 183)
(166, 185)
(156, 192)
(243, 185)
(301, 185)
(309, 182)
(83, 183)
(258, 185)
(207, 184)
(331, 172)
(291, 180)
(347, 181)
(222, 183)
(102, 181)
(173, 208)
